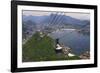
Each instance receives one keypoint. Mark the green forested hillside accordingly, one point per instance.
(41, 49)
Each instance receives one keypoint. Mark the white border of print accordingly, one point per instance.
(52, 63)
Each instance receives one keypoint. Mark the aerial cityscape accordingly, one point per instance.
(53, 36)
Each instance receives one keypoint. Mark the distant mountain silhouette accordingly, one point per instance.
(56, 19)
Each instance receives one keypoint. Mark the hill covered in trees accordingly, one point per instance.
(39, 48)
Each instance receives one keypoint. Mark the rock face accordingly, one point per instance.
(85, 55)
(66, 51)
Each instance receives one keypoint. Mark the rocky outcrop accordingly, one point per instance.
(85, 55)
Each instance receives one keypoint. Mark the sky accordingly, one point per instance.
(81, 16)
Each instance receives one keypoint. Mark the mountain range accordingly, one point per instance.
(53, 21)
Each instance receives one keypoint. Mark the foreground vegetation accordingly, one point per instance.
(41, 49)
